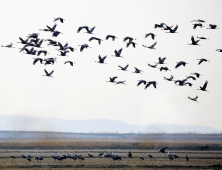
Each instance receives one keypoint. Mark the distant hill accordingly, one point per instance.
(30, 123)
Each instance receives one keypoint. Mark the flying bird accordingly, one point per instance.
(141, 82)
(111, 36)
(211, 26)
(112, 80)
(194, 99)
(181, 63)
(204, 87)
(169, 79)
(36, 60)
(159, 25)
(151, 34)
(101, 60)
(152, 46)
(154, 83)
(123, 68)
(197, 25)
(94, 38)
(172, 30)
(137, 70)
(193, 41)
(84, 46)
(70, 62)
(153, 66)
(48, 74)
(202, 60)
(60, 19)
(117, 54)
(164, 68)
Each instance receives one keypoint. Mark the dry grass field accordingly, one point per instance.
(205, 159)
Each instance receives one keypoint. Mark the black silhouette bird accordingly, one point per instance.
(89, 31)
(219, 50)
(23, 41)
(154, 83)
(101, 60)
(204, 147)
(94, 38)
(63, 53)
(129, 154)
(112, 80)
(117, 54)
(124, 68)
(204, 87)
(141, 81)
(181, 82)
(153, 66)
(102, 152)
(172, 30)
(194, 99)
(9, 46)
(150, 156)
(193, 41)
(197, 74)
(199, 20)
(151, 34)
(163, 150)
(48, 74)
(60, 19)
(56, 33)
(111, 36)
(164, 68)
(90, 155)
(197, 25)
(187, 158)
(159, 25)
(203, 38)
(128, 38)
(70, 62)
(152, 46)
(36, 60)
(191, 77)
(211, 26)
(161, 60)
(131, 42)
(84, 46)
(202, 60)
(188, 83)
(181, 63)
(169, 79)
(120, 82)
(141, 158)
(137, 70)
(51, 29)
(42, 51)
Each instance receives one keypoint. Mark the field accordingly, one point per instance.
(205, 159)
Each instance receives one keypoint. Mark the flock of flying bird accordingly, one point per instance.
(34, 41)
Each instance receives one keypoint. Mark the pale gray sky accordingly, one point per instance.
(81, 92)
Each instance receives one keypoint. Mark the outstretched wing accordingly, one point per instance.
(46, 72)
(192, 39)
(119, 52)
(205, 85)
(153, 45)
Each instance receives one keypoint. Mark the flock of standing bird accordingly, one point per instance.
(106, 154)
(34, 42)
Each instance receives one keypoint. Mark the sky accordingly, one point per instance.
(82, 92)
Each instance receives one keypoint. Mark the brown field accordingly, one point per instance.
(211, 159)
